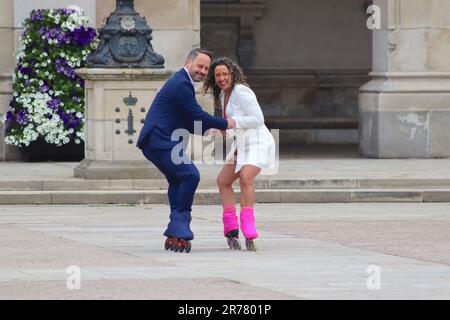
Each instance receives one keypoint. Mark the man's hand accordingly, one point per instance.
(231, 124)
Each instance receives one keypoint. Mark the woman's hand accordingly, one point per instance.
(215, 133)
(231, 123)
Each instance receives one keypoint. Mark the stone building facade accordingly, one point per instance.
(321, 75)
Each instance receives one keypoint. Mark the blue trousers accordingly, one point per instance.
(183, 180)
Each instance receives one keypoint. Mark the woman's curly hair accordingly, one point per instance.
(237, 77)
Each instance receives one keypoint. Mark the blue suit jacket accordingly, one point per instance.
(174, 107)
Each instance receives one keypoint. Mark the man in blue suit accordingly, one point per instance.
(175, 107)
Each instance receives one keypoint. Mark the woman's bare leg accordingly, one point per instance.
(224, 181)
(247, 177)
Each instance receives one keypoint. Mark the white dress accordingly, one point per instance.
(254, 143)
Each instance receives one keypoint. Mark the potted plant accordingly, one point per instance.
(47, 109)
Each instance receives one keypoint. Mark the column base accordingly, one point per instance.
(405, 115)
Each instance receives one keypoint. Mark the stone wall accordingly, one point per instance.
(304, 58)
(405, 109)
(175, 24)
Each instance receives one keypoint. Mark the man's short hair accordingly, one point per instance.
(195, 52)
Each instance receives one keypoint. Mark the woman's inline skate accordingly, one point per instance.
(247, 217)
(231, 227)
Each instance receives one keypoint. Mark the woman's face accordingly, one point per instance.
(222, 76)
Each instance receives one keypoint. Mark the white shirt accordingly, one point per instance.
(192, 81)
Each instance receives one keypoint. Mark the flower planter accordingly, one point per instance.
(48, 98)
(39, 151)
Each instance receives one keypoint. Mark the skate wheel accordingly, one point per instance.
(250, 245)
(188, 247)
(233, 244)
(237, 244)
(167, 244)
(229, 243)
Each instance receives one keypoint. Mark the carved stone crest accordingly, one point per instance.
(128, 23)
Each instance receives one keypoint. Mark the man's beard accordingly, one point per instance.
(197, 78)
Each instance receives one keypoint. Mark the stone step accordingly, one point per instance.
(210, 184)
(205, 196)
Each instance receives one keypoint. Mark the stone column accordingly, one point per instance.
(404, 111)
(6, 70)
(117, 101)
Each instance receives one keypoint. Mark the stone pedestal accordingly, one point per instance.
(117, 101)
(404, 110)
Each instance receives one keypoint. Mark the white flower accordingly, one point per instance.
(76, 8)
(45, 122)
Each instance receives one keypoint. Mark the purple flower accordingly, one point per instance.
(59, 65)
(62, 38)
(23, 70)
(63, 68)
(82, 36)
(76, 99)
(53, 33)
(36, 15)
(21, 117)
(43, 88)
(10, 119)
(67, 11)
(54, 103)
(73, 122)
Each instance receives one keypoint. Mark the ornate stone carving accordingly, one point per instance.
(125, 41)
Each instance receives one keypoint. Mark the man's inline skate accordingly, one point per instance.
(178, 232)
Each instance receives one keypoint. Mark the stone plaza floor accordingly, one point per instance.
(305, 251)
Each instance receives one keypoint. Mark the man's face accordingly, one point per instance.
(198, 68)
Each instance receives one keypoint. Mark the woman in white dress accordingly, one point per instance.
(253, 151)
